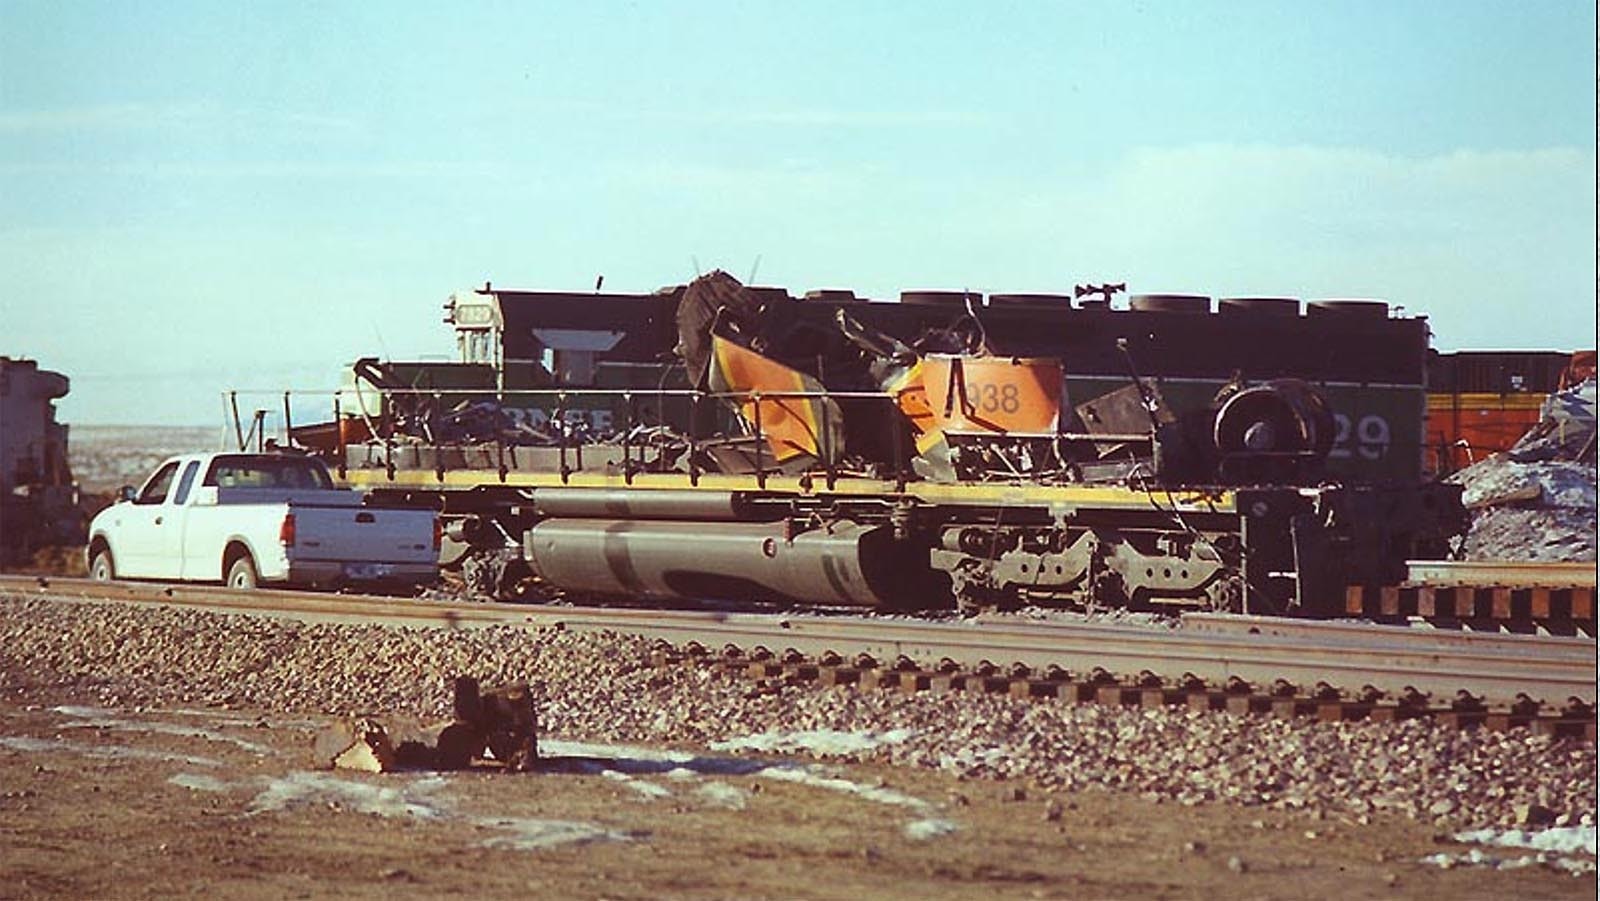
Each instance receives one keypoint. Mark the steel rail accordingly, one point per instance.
(1496, 669)
(1496, 574)
(1416, 636)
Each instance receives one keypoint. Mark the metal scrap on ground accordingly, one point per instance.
(498, 723)
(1537, 501)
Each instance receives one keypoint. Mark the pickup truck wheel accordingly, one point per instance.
(100, 568)
(242, 574)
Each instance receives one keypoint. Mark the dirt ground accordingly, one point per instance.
(220, 803)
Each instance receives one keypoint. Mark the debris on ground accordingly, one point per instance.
(498, 723)
(1536, 502)
(361, 744)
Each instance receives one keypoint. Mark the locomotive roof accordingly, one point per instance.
(1343, 341)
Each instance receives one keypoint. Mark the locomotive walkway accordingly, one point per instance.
(1332, 670)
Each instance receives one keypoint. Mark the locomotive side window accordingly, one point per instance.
(155, 490)
(476, 346)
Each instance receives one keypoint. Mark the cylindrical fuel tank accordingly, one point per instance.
(844, 563)
(636, 503)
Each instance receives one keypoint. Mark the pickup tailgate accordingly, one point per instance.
(363, 535)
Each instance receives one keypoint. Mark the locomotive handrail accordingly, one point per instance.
(567, 439)
(561, 436)
(576, 392)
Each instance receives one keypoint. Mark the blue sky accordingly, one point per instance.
(202, 196)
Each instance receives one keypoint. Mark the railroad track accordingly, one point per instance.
(1553, 597)
(1332, 670)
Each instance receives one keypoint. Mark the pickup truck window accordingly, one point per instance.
(155, 490)
(186, 482)
(266, 471)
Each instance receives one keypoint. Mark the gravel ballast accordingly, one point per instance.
(598, 687)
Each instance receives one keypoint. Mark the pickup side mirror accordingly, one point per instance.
(125, 493)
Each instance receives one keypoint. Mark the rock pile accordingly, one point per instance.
(603, 688)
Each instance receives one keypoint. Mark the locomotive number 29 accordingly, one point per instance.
(1371, 438)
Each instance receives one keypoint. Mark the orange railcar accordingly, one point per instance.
(1482, 402)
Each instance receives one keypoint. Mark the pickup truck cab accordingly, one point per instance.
(247, 519)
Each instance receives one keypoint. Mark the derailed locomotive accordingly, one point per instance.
(722, 441)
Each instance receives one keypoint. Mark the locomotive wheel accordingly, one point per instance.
(512, 585)
(242, 574)
(1226, 595)
(497, 574)
(101, 568)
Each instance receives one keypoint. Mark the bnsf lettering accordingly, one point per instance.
(599, 420)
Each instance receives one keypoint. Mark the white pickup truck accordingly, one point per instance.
(249, 519)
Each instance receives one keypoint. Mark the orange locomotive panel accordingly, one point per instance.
(996, 395)
(791, 425)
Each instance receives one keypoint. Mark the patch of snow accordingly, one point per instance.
(806, 776)
(922, 830)
(28, 743)
(217, 716)
(722, 794)
(230, 718)
(648, 789)
(534, 835)
(302, 788)
(1575, 867)
(1476, 858)
(622, 763)
(1561, 848)
(822, 742)
(555, 747)
(1559, 839)
(84, 713)
(109, 752)
(94, 718)
(419, 800)
(199, 782)
(638, 761)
